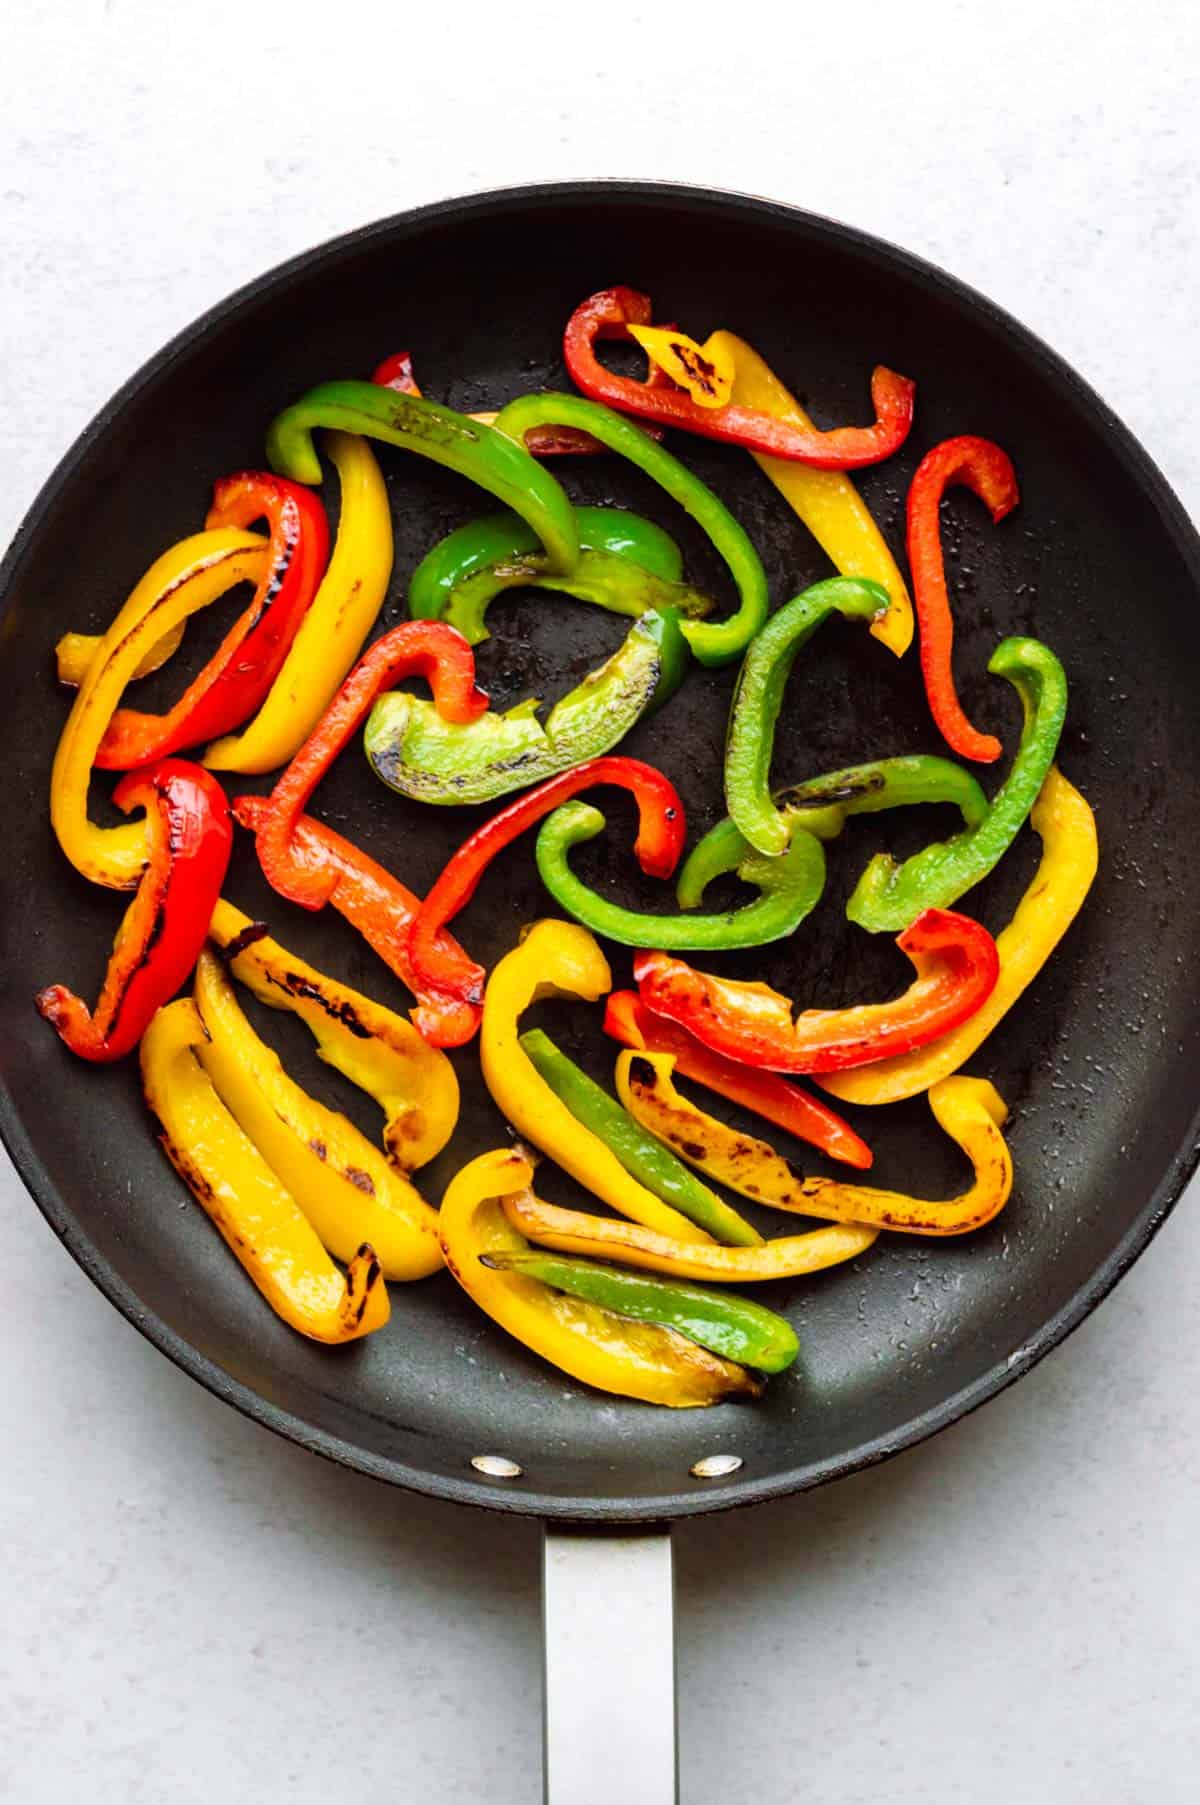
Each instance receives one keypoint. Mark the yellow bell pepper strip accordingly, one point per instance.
(75, 651)
(331, 635)
(187, 577)
(826, 500)
(1062, 880)
(256, 1217)
(413, 1083)
(344, 1185)
(633, 1359)
(604, 1238)
(970, 1110)
(705, 371)
(558, 958)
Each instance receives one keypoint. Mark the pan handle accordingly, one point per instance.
(608, 1600)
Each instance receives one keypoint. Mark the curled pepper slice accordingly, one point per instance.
(189, 839)
(488, 457)
(593, 1344)
(970, 1110)
(825, 500)
(345, 1186)
(1055, 895)
(237, 677)
(556, 958)
(713, 642)
(956, 968)
(259, 1221)
(75, 651)
(888, 896)
(705, 372)
(758, 699)
(438, 964)
(986, 470)
(610, 313)
(187, 577)
(413, 1083)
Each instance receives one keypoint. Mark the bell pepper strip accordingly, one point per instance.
(259, 1221)
(821, 806)
(187, 577)
(417, 753)
(1067, 828)
(345, 1186)
(705, 372)
(377, 905)
(240, 673)
(613, 311)
(956, 968)
(626, 565)
(987, 471)
(594, 1345)
(758, 698)
(75, 651)
(189, 839)
(825, 500)
(489, 458)
(788, 888)
(889, 896)
(969, 1110)
(396, 372)
(335, 627)
(413, 1083)
(425, 648)
(765, 1094)
(438, 965)
(556, 958)
(713, 642)
(603, 1238)
(734, 1327)
(641, 1155)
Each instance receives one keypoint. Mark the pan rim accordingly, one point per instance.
(471, 1489)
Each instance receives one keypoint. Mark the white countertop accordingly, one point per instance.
(197, 1611)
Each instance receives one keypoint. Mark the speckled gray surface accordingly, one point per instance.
(1005, 1613)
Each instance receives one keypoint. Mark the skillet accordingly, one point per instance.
(1099, 1063)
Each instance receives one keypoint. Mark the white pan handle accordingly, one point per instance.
(609, 1607)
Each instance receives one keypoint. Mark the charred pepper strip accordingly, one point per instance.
(969, 1110)
(889, 896)
(713, 642)
(189, 838)
(956, 968)
(1061, 882)
(610, 313)
(758, 699)
(240, 673)
(488, 457)
(259, 1221)
(987, 471)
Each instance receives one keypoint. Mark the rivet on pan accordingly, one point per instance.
(716, 1466)
(499, 1466)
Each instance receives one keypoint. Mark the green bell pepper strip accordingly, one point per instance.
(888, 896)
(820, 807)
(724, 1323)
(759, 697)
(713, 642)
(414, 751)
(646, 1159)
(488, 457)
(790, 886)
(626, 564)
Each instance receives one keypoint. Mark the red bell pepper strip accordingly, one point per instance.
(374, 902)
(188, 840)
(236, 679)
(662, 830)
(956, 965)
(610, 313)
(775, 1099)
(427, 648)
(987, 471)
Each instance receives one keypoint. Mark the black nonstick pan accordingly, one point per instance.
(1100, 1063)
